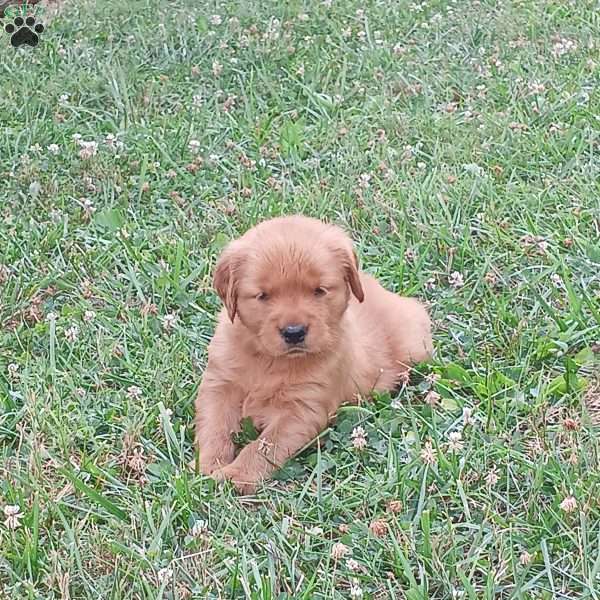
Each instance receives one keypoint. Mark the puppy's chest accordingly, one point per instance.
(263, 403)
(268, 400)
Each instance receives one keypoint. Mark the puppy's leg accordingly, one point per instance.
(279, 441)
(218, 414)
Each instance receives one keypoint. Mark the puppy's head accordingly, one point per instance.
(289, 281)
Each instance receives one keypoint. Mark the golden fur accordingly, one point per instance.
(360, 338)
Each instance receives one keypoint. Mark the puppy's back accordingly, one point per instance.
(387, 319)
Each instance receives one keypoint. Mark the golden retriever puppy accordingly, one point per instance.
(302, 331)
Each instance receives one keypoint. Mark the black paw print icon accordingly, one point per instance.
(24, 31)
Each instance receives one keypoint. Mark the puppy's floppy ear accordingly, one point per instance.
(226, 277)
(349, 261)
(354, 277)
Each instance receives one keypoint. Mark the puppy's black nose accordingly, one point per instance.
(294, 334)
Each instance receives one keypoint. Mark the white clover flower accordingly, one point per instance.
(194, 146)
(569, 504)
(456, 279)
(339, 550)
(89, 316)
(491, 479)
(134, 392)
(164, 574)
(428, 454)
(217, 68)
(432, 398)
(355, 589)
(13, 515)
(525, 558)
(455, 443)
(88, 149)
(72, 333)
(169, 321)
(199, 528)
(359, 438)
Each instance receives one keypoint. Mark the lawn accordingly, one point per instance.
(457, 142)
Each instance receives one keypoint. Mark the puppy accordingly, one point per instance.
(302, 331)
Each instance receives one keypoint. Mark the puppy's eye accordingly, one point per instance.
(262, 296)
(320, 291)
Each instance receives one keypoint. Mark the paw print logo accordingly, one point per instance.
(24, 31)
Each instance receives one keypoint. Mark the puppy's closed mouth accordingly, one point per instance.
(296, 351)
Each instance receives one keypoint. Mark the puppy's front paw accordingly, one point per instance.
(204, 467)
(211, 461)
(242, 482)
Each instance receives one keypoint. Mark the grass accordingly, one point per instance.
(458, 143)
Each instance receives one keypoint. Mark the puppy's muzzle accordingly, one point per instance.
(294, 334)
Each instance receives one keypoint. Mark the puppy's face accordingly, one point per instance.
(289, 282)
